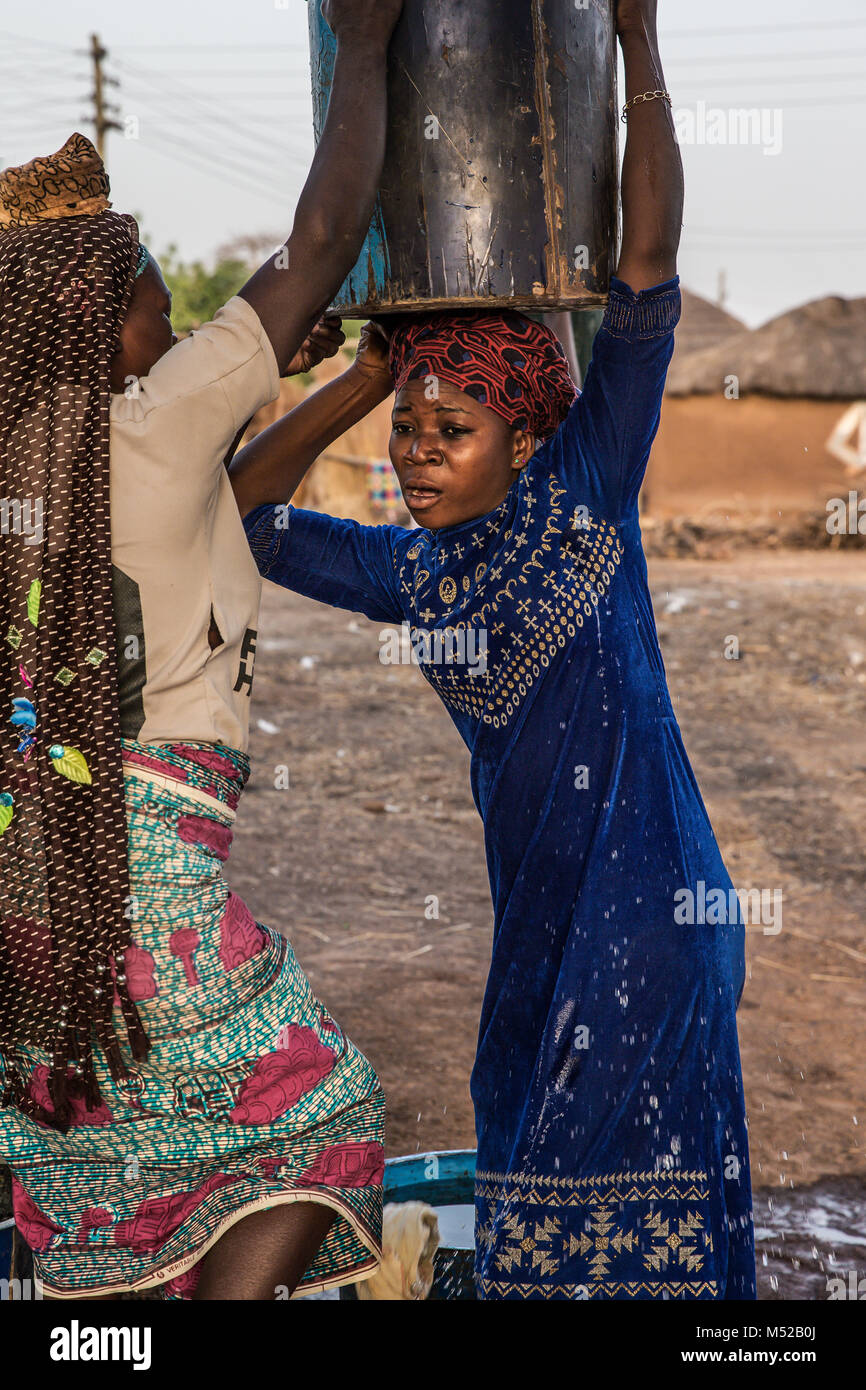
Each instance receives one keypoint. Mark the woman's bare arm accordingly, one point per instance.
(292, 289)
(652, 173)
(271, 468)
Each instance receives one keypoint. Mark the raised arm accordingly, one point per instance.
(290, 292)
(272, 466)
(652, 172)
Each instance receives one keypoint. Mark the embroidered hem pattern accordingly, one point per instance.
(621, 1235)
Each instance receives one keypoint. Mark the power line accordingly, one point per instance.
(769, 231)
(796, 79)
(103, 110)
(255, 126)
(204, 163)
(221, 48)
(781, 240)
(36, 43)
(793, 104)
(277, 99)
(233, 156)
(252, 133)
(729, 33)
(812, 247)
(12, 130)
(170, 148)
(226, 72)
(255, 158)
(28, 70)
(301, 48)
(243, 167)
(155, 80)
(220, 152)
(722, 247)
(24, 79)
(250, 153)
(778, 237)
(36, 136)
(65, 99)
(252, 96)
(821, 54)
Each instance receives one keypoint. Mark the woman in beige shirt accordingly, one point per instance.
(230, 1144)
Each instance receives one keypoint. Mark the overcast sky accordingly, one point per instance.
(220, 92)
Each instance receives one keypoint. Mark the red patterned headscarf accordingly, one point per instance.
(502, 360)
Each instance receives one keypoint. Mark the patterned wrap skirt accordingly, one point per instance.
(251, 1095)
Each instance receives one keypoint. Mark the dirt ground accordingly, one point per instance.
(378, 818)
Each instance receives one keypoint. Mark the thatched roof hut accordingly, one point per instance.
(756, 455)
(703, 325)
(815, 351)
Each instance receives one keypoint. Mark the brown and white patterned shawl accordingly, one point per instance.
(67, 264)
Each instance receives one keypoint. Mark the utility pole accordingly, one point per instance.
(722, 295)
(102, 109)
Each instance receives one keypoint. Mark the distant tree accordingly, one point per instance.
(197, 291)
(252, 250)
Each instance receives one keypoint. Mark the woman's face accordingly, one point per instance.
(455, 458)
(146, 333)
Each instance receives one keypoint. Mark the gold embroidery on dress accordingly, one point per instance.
(448, 590)
(577, 1292)
(539, 629)
(622, 1218)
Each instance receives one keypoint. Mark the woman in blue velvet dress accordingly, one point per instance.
(612, 1144)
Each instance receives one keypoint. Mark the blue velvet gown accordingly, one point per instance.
(612, 1145)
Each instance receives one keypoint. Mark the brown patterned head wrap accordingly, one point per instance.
(71, 183)
(66, 276)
